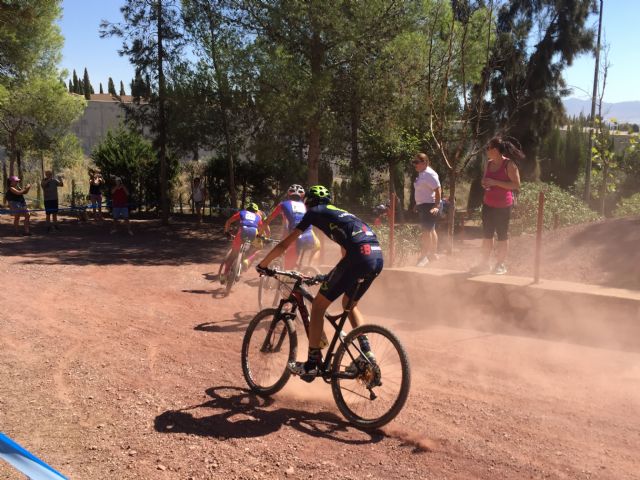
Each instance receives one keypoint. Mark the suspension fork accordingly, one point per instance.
(280, 316)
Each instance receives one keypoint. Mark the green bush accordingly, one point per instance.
(628, 206)
(560, 208)
(406, 239)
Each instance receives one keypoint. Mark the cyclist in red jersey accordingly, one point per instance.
(249, 221)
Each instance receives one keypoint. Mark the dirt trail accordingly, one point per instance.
(119, 358)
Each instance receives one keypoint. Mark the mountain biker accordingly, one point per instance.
(361, 262)
(292, 210)
(250, 221)
(381, 212)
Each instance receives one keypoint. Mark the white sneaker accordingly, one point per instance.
(500, 269)
(423, 262)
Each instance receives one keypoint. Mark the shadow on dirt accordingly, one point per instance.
(238, 323)
(238, 413)
(91, 243)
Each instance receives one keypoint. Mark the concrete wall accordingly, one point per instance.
(577, 313)
(99, 117)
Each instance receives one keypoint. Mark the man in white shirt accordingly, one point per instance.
(427, 196)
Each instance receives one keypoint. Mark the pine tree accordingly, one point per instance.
(122, 92)
(76, 83)
(70, 87)
(111, 88)
(101, 90)
(87, 89)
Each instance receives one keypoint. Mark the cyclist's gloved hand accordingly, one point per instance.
(320, 278)
(265, 271)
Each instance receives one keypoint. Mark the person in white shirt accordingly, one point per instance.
(198, 195)
(427, 196)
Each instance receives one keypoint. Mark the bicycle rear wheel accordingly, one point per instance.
(233, 274)
(269, 344)
(377, 390)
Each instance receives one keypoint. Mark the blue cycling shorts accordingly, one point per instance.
(354, 274)
(248, 233)
(307, 241)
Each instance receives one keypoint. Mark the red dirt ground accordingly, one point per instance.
(119, 359)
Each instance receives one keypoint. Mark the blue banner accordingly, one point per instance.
(26, 462)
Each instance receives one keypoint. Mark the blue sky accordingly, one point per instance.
(84, 48)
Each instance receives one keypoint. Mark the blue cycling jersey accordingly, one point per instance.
(249, 219)
(342, 227)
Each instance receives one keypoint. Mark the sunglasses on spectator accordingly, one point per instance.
(417, 162)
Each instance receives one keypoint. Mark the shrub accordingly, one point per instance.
(628, 206)
(560, 207)
(406, 239)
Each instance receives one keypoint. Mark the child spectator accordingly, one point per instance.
(120, 205)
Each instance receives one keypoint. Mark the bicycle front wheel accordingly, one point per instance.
(371, 393)
(269, 344)
(269, 290)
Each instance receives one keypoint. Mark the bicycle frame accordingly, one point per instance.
(296, 299)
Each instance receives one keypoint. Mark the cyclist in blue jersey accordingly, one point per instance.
(292, 210)
(250, 221)
(361, 263)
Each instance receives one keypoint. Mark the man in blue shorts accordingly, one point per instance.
(361, 263)
(427, 196)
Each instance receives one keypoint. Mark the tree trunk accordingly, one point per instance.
(451, 215)
(603, 189)
(314, 152)
(223, 99)
(162, 134)
(317, 57)
(355, 128)
(19, 163)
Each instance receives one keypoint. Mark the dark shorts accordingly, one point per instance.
(51, 206)
(427, 219)
(18, 207)
(353, 275)
(495, 221)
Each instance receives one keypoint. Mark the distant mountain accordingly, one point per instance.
(623, 112)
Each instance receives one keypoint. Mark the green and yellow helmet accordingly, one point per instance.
(317, 194)
(253, 207)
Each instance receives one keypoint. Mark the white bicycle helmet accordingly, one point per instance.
(295, 189)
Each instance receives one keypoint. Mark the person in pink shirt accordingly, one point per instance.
(501, 178)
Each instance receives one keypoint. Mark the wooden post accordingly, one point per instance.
(392, 227)
(536, 274)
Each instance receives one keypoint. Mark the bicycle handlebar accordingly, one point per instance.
(292, 274)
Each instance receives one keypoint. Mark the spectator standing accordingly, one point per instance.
(120, 205)
(198, 195)
(50, 187)
(95, 193)
(428, 193)
(501, 178)
(17, 205)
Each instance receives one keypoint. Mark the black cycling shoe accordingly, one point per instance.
(307, 371)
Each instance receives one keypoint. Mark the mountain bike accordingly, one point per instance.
(231, 267)
(270, 290)
(368, 393)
